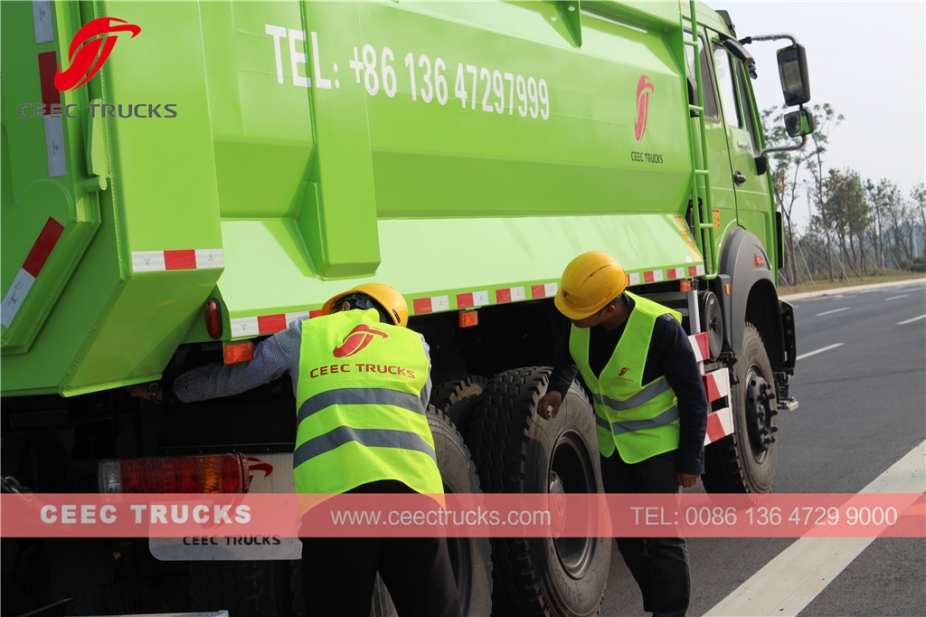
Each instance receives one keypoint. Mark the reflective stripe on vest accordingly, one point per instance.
(360, 417)
(638, 421)
(371, 438)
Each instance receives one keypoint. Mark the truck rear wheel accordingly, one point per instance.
(745, 461)
(471, 558)
(458, 399)
(516, 451)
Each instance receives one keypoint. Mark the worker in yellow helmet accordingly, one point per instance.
(357, 431)
(650, 407)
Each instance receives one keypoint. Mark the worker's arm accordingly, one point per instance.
(273, 357)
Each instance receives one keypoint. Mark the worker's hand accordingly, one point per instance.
(140, 390)
(687, 480)
(548, 405)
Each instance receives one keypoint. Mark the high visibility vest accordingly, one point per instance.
(360, 417)
(639, 420)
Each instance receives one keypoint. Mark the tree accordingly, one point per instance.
(788, 168)
(848, 213)
(918, 196)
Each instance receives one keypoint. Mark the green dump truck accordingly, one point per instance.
(180, 179)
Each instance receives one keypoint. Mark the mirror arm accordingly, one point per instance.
(786, 148)
(769, 37)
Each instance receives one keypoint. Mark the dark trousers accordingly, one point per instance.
(339, 573)
(659, 565)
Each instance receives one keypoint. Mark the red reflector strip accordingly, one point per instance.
(675, 273)
(509, 294)
(48, 66)
(695, 270)
(42, 248)
(475, 298)
(720, 421)
(180, 260)
(431, 305)
(187, 259)
(719, 425)
(36, 259)
(700, 346)
(547, 290)
(710, 388)
(271, 323)
(267, 324)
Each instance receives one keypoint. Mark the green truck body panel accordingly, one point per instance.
(269, 195)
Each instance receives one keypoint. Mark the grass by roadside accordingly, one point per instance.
(822, 283)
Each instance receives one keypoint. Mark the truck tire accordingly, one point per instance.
(471, 558)
(518, 452)
(243, 588)
(458, 398)
(745, 461)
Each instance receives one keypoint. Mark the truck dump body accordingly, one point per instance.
(462, 153)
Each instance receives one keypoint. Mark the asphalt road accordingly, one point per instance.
(861, 382)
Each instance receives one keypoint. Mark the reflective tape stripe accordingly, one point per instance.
(371, 438)
(643, 396)
(509, 294)
(41, 15)
(32, 266)
(430, 305)
(719, 425)
(547, 290)
(188, 259)
(475, 298)
(700, 344)
(667, 417)
(359, 396)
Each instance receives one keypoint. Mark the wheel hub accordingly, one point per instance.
(760, 409)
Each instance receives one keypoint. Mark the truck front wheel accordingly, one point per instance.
(745, 461)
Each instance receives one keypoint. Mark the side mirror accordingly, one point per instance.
(739, 52)
(799, 123)
(795, 79)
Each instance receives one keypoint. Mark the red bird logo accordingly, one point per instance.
(359, 337)
(89, 50)
(644, 87)
(255, 464)
(623, 370)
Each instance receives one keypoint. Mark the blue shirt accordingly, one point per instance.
(273, 357)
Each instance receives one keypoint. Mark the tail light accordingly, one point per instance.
(220, 473)
(213, 314)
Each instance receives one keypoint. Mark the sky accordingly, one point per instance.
(868, 61)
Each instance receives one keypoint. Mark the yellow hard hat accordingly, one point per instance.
(387, 297)
(589, 282)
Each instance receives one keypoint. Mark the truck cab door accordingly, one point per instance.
(723, 197)
(749, 185)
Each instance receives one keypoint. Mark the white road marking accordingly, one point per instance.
(791, 581)
(895, 297)
(834, 311)
(903, 323)
(813, 353)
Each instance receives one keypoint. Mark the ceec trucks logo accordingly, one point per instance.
(644, 87)
(89, 50)
(359, 337)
